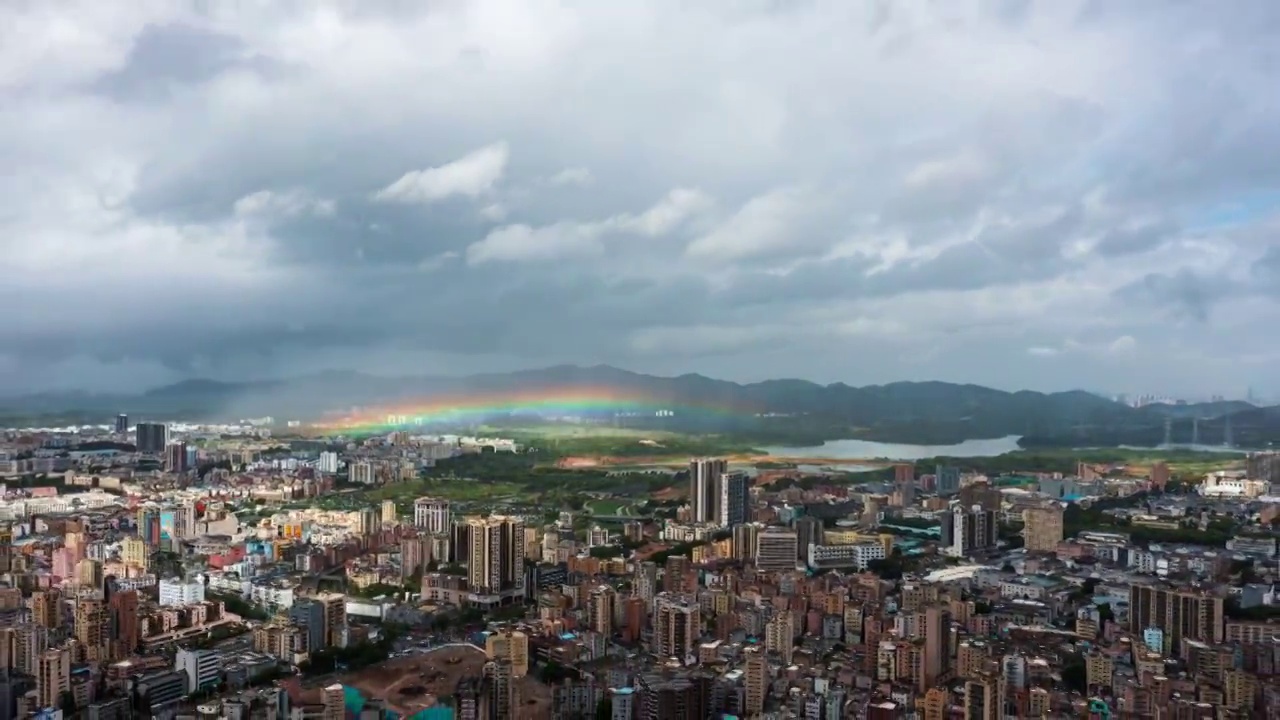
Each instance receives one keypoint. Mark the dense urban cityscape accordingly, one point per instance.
(640, 360)
(222, 572)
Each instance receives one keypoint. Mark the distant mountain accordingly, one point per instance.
(784, 410)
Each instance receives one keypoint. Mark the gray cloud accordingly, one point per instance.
(1015, 193)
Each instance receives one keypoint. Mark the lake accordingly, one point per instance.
(866, 450)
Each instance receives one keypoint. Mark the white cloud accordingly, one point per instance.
(1122, 345)
(1042, 351)
(469, 176)
(673, 210)
(290, 203)
(494, 212)
(435, 262)
(574, 176)
(964, 167)
(520, 242)
(764, 225)
(525, 243)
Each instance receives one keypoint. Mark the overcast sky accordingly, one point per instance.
(1046, 195)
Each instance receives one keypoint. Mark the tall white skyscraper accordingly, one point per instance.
(328, 462)
(431, 514)
(704, 488)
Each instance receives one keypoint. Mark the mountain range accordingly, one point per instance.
(784, 410)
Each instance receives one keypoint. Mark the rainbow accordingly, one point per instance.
(546, 403)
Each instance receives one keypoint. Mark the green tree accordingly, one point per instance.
(1074, 675)
(1105, 613)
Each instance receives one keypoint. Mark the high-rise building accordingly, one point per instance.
(646, 586)
(1179, 613)
(432, 515)
(677, 625)
(328, 463)
(1042, 528)
(509, 646)
(1160, 474)
(152, 438)
(122, 424)
(29, 642)
(904, 487)
(735, 499)
(704, 491)
(947, 480)
(674, 695)
(363, 472)
(809, 531)
(982, 697)
(780, 636)
(968, 530)
(597, 536)
(175, 591)
(308, 613)
(744, 541)
(904, 474)
(499, 695)
(937, 646)
(676, 577)
(495, 564)
(600, 606)
(134, 552)
(46, 608)
(6, 548)
(122, 608)
(53, 677)
(91, 626)
(202, 667)
(622, 703)
(755, 680)
(777, 549)
(334, 607)
(175, 457)
(1263, 466)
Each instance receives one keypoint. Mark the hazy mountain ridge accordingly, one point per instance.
(929, 411)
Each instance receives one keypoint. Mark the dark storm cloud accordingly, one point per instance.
(1185, 294)
(204, 188)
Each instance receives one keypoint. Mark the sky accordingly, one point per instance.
(1044, 195)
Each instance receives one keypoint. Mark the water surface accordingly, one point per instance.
(867, 450)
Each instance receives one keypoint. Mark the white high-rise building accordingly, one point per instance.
(328, 462)
(180, 592)
(776, 549)
(432, 515)
(203, 668)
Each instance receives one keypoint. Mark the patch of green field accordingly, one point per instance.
(609, 507)
(565, 431)
(458, 490)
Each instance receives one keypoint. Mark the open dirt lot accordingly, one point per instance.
(413, 683)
